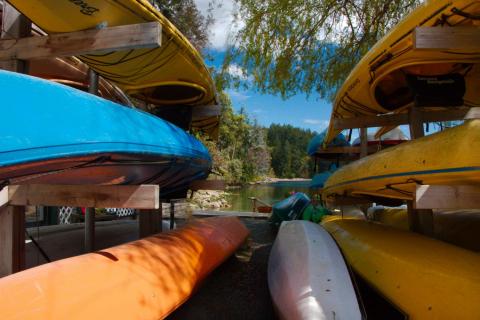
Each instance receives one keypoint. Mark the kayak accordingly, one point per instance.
(55, 134)
(143, 279)
(393, 77)
(316, 143)
(307, 276)
(171, 74)
(458, 227)
(392, 138)
(450, 157)
(73, 72)
(290, 208)
(423, 277)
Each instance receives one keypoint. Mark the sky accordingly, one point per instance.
(299, 111)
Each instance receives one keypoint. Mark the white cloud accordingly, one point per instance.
(317, 124)
(223, 25)
(236, 71)
(238, 95)
(257, 111)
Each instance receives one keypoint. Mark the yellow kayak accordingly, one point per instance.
(392, 76)
(172, 74)
(450, 157)
(424, 277)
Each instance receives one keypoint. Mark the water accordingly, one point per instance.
(270, 193)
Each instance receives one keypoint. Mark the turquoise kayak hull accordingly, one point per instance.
(59, 135)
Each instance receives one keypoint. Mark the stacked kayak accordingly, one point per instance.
(450, 157)
(393, 77)
(55, 134)
(144, 279)
(391, 138)
(172, 74)
(290, 208)
(424, 277)
(316, 143)
(307, 276)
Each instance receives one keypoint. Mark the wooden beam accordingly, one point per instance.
(207, 185)
(447, 197)
(149, 222)
(89, 229)
(402, 118)
(363, 142)
(371, 121)
(12, 239)
(201, 112)
(339, 150)
(94, 196)
(416, 123)
(347, 200)
(14, 25)
(144, 35)
(92, 82)
(446, 38)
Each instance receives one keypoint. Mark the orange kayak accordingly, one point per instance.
(144, 279)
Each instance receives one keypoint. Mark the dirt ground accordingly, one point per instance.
(238, 289)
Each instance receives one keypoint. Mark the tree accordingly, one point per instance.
(185, 15)
(305, 46)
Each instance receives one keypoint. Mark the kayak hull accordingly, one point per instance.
(59, 135)
(173, 73)
(144, 279)
(307, 276)
(450, 157)
(382, 81)
(424, 277)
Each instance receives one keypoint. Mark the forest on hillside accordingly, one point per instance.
(246, 151)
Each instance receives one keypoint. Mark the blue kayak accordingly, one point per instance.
(55, 134)
(290, 208)
(317, 142)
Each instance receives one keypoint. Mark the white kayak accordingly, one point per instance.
(307, 276)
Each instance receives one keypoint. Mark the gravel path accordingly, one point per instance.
(238, 288)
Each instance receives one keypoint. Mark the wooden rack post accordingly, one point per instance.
(13, 200)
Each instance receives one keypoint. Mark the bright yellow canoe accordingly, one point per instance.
(391, 76)
(169, 75)
(450, 157)
(425, 278)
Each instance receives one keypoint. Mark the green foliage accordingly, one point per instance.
(185, 15)
(241, 154)
(305, 46)
(289, 156)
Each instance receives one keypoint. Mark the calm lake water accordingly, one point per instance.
(270, 193)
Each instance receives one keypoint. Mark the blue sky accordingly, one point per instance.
(312, 113)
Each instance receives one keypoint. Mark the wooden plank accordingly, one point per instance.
(446, 38)
(94, 196)
(363, 142)
(12, 239)
(240, 214)
(14, 25)
(347, 201)
(371, 121)
(144, 35)
(354, 150)
(201, 112)
(447, 197)
(207, 185)
(402, 119)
